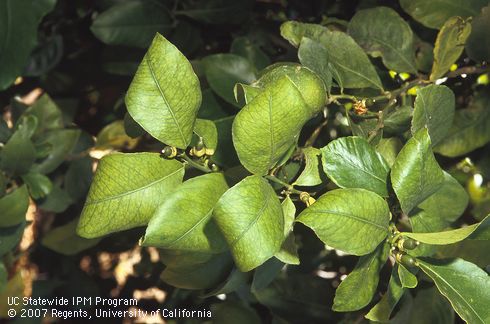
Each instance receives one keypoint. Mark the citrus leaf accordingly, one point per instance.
(352, 220)
(470, 130)
(415, 174)
(206, 129)
(434, 110)
(449, 45)
(351, 162)
(65, 240)
(223, 71)
(465, 285)
(184, 220)
(448, 237)
(132, 23)
(18, 154)
(165, 95)
(289, 250)
(478, 43)
(382, 310)
(62, 142)
(435, 13)
(266, 128)
(14, 207)
(382, 32)
(314, 55)
(358, 288)
(126, 191)
(203, 275)
(407, 279)
(250, 218)
(348, 63)
(312, 174)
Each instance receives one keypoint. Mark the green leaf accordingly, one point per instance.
(132, 23)
(57, 201)
(289, 250)
(312, 174)
(184, 221)
(382, 310)
(19, 19)
(449, 45)
(78, 177)
(64, 240)
(435, 13)
(10, 237)
(407, 279)
(398, 121)
(431, 308)
(308, 83)
(202, 275)
(358, 288)
(48, 114)
(206, 129)
(434, 110)
(265, 129)
(295, 31)
(126, 191)
(389, 148)
(239, 312)
(448, 237)
(18, 155)
(266, 273)
(131, 127)
(351, 162)
(39, 185)
(219, 11)
(352, 220)
(478, 44)
(415, 174)
(165, 95)
(465, 285)
(441, 208)
(246, 48)
(244, 92)
(315, 56)
(382, 32)
(14, 207)
(250, 218)
(225, 153)
(470, 130)
(223, 71)
(62, 142)
(234, 282)
(348, 63)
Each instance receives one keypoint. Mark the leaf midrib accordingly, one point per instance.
(357, 218)
(94, 202)
(454, 290)
(160, 90)
(259, 214)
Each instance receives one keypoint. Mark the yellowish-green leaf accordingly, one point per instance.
(465, 285)
(165, 95)
(184, 220)
(448, 237)
(449, 45)
(352, 220)
(250, 218)
(382, 32)
(126, 191)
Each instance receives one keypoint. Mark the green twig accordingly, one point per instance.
(286, 185)
(195, 165)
